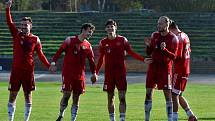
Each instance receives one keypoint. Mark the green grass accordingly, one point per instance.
(93, 103)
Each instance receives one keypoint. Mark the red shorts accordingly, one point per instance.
(179, 83)
(22, 77)
(74, 85)
(161, 80)
(111, 82)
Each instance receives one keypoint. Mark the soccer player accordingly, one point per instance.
(77, 49)
(181, 73)
(24, 45)
(162, 47)
(112, 48)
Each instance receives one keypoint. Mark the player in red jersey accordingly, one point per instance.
(112, 49)
(24, 45)
(77, 49)
(181, 72)
(162, 47)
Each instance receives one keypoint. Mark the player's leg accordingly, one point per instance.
(148, 103)
(184, 104)
(150, 85)
(175, 94)
(75, 105)
(111, 106)
(175, 99)
(63, 104)
(28, 104)
(28, 86)
(78, 87)
(122, 104)
(12, 105)
(13, 87)
(168, 97)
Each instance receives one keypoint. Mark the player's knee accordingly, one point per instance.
(174, 94)
(148, 96)
(12, 98)
(122, 100)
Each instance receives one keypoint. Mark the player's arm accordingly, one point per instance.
(186, 47)
(131, 52)
(41, 54)
(10, 22)
(61, 49)
(101, 57)
(172, 53)
(90, 57)
(148, 42)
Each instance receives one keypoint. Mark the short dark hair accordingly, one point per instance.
(27, 19)
(173, 25)
(87, 25)
(110, 22)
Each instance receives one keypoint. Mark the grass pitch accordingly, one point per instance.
(93, 104)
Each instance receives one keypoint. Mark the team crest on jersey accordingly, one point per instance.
(108, 49)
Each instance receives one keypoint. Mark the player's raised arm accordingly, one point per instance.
(9, 3)
(10, 22)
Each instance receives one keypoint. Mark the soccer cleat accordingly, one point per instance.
(192, 118)
(60, 118)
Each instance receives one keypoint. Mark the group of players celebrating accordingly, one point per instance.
(166, 47)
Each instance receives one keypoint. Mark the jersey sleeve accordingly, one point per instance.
(90, 57)
(101, 56)
(187, 48)
(62, 48)
(10, 23)
(40, 54)
(130, 51)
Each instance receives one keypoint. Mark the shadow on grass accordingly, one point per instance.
(209, 119)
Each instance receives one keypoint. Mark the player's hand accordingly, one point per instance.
(148, 60)
(147, 41)
(53, 68)
(163, 45)
(94, 78)
(9, 3)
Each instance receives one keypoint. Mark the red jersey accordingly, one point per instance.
(182, 62)
(113, 52)
(24, 47)
(162, 58)
(74, 62)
